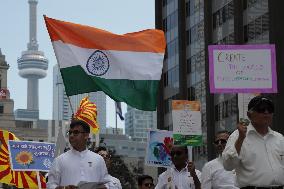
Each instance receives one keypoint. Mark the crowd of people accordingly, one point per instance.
(252, 157)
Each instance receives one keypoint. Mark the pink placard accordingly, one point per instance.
(242, 68)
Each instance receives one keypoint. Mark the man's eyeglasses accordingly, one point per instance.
(75, 132)
(176, 153)
(220, 141)
(263, 109)
(263, 105)
(149, 185)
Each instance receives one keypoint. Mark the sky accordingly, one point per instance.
(116, 16)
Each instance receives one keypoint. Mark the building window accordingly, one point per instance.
(165, 79)
(223, 15)
(256, 27)
(165, 24)
(187, 9)
(191, 93)
(187, 37)
(166, 104)
(164, 2)
(1, 109)
(188, 66)
(250, 3)
(53, 130)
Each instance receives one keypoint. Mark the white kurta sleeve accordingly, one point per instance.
(114, 183)
(162, 183)
(231, 159)
(54, 175)
(206, 177)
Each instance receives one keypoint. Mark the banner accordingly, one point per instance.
(242, 69)
(31, 156)
(158, 150)
(186, 123)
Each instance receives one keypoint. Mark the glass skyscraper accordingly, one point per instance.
(190, 26)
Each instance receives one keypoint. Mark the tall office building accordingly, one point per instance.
(190, 26)
(138, 122)
(61, 106)
(32, 66)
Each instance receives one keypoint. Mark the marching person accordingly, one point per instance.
(255, 151)
(182, 175)
(145, 182)
(114, 182)
(214, 176)
(77, 164)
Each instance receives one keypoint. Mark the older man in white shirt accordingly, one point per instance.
(77, 164)
(182, 175)
(256, 152)
(214, 176)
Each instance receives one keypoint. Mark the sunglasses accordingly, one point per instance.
(176, 153)
(263, 109)
(220, 141)
(149, 185)
(263, 105)
(75, 132)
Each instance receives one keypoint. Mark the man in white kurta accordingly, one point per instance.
(73, 166)
(214, 176)
(77, 164)
(182, 175)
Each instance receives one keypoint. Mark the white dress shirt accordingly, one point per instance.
(214, 176)
(114, 183)
(72, 167)
(174, 178)
(261, 159)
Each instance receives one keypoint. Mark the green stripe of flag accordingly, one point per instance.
(141, 94)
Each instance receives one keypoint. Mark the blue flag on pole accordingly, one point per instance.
(118, 110)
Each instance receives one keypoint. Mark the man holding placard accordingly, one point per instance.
(255, 151)
(182, 175)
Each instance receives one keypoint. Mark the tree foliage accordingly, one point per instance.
(119, 170)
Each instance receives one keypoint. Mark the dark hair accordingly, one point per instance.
(183, 147)
(83, 124)
(223, 131)
(100, 148)
(258, 100)
(141, 178)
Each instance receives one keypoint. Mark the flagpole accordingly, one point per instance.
(115, 122)
(70, 106)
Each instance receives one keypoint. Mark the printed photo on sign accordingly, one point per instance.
(159, 146)
(31, 156)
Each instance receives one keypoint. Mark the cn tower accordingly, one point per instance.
(32, 64)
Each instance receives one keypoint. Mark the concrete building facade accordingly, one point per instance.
(138, 123)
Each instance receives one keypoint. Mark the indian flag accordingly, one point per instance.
(126, 67)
